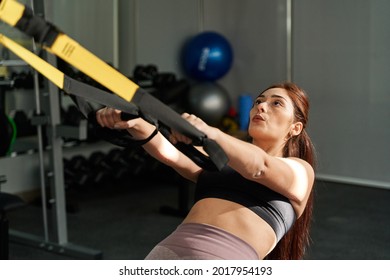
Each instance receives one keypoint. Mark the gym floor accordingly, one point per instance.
(124, 221)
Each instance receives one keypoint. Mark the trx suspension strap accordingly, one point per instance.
(129, 96)
(79, 89)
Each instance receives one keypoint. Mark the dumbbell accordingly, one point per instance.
(120, 167)
(137, 161)
(175, 93)
(118, 163)
(145, 73)
(76, 172)
(163, 80)
(100, 171)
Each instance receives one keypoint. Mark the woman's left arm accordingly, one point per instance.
(291, 177)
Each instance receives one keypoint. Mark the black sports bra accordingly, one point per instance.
(228, 184)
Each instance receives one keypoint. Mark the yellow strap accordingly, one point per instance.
(73, 53)
(11, 11)
(46, 69)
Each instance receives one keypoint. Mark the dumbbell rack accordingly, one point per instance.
(55, 237)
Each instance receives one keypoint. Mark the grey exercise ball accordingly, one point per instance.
(209, 101)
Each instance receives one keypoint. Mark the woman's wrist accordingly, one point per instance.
(150, 137)
(143, 136)
(214, 134)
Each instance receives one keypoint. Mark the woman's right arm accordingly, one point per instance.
(158, 147)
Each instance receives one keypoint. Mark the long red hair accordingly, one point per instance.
(294, 244)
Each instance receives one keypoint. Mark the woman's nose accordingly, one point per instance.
(262, 106)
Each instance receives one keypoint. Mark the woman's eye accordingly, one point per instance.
(277, 103)
(257, 102)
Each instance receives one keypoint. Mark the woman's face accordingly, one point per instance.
(272, 116)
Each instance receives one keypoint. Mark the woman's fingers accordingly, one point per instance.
(178, 137)
(108, 117)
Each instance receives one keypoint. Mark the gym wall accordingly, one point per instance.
(342, 56)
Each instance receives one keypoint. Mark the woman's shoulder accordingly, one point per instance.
(297, 162)
(300, 167)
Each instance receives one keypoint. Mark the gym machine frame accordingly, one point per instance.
(55, 241)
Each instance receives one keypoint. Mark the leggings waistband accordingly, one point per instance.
(202, 241)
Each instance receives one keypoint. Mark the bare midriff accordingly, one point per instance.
(235, 219)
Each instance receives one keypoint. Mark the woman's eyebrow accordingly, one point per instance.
(272, 96)
(278, 96)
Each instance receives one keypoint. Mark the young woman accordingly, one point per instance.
(260, 205)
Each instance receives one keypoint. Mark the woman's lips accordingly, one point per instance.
(259, 117)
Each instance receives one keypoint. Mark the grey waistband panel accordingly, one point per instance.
(193, 241)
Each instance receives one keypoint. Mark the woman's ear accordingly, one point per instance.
(296, 128)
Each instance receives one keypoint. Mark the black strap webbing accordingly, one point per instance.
(42, 31)
(99, 96)
(167, 115)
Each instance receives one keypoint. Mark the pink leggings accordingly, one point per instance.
(193, 241)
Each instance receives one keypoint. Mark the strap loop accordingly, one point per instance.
(42, 31)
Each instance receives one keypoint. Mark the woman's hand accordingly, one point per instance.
(111, 118)
(211, 132)
(158, 147)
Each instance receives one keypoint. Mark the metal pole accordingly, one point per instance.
(40, 146)
(56, 156)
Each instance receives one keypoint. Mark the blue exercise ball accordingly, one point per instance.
(208, 56)
(209, 101)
